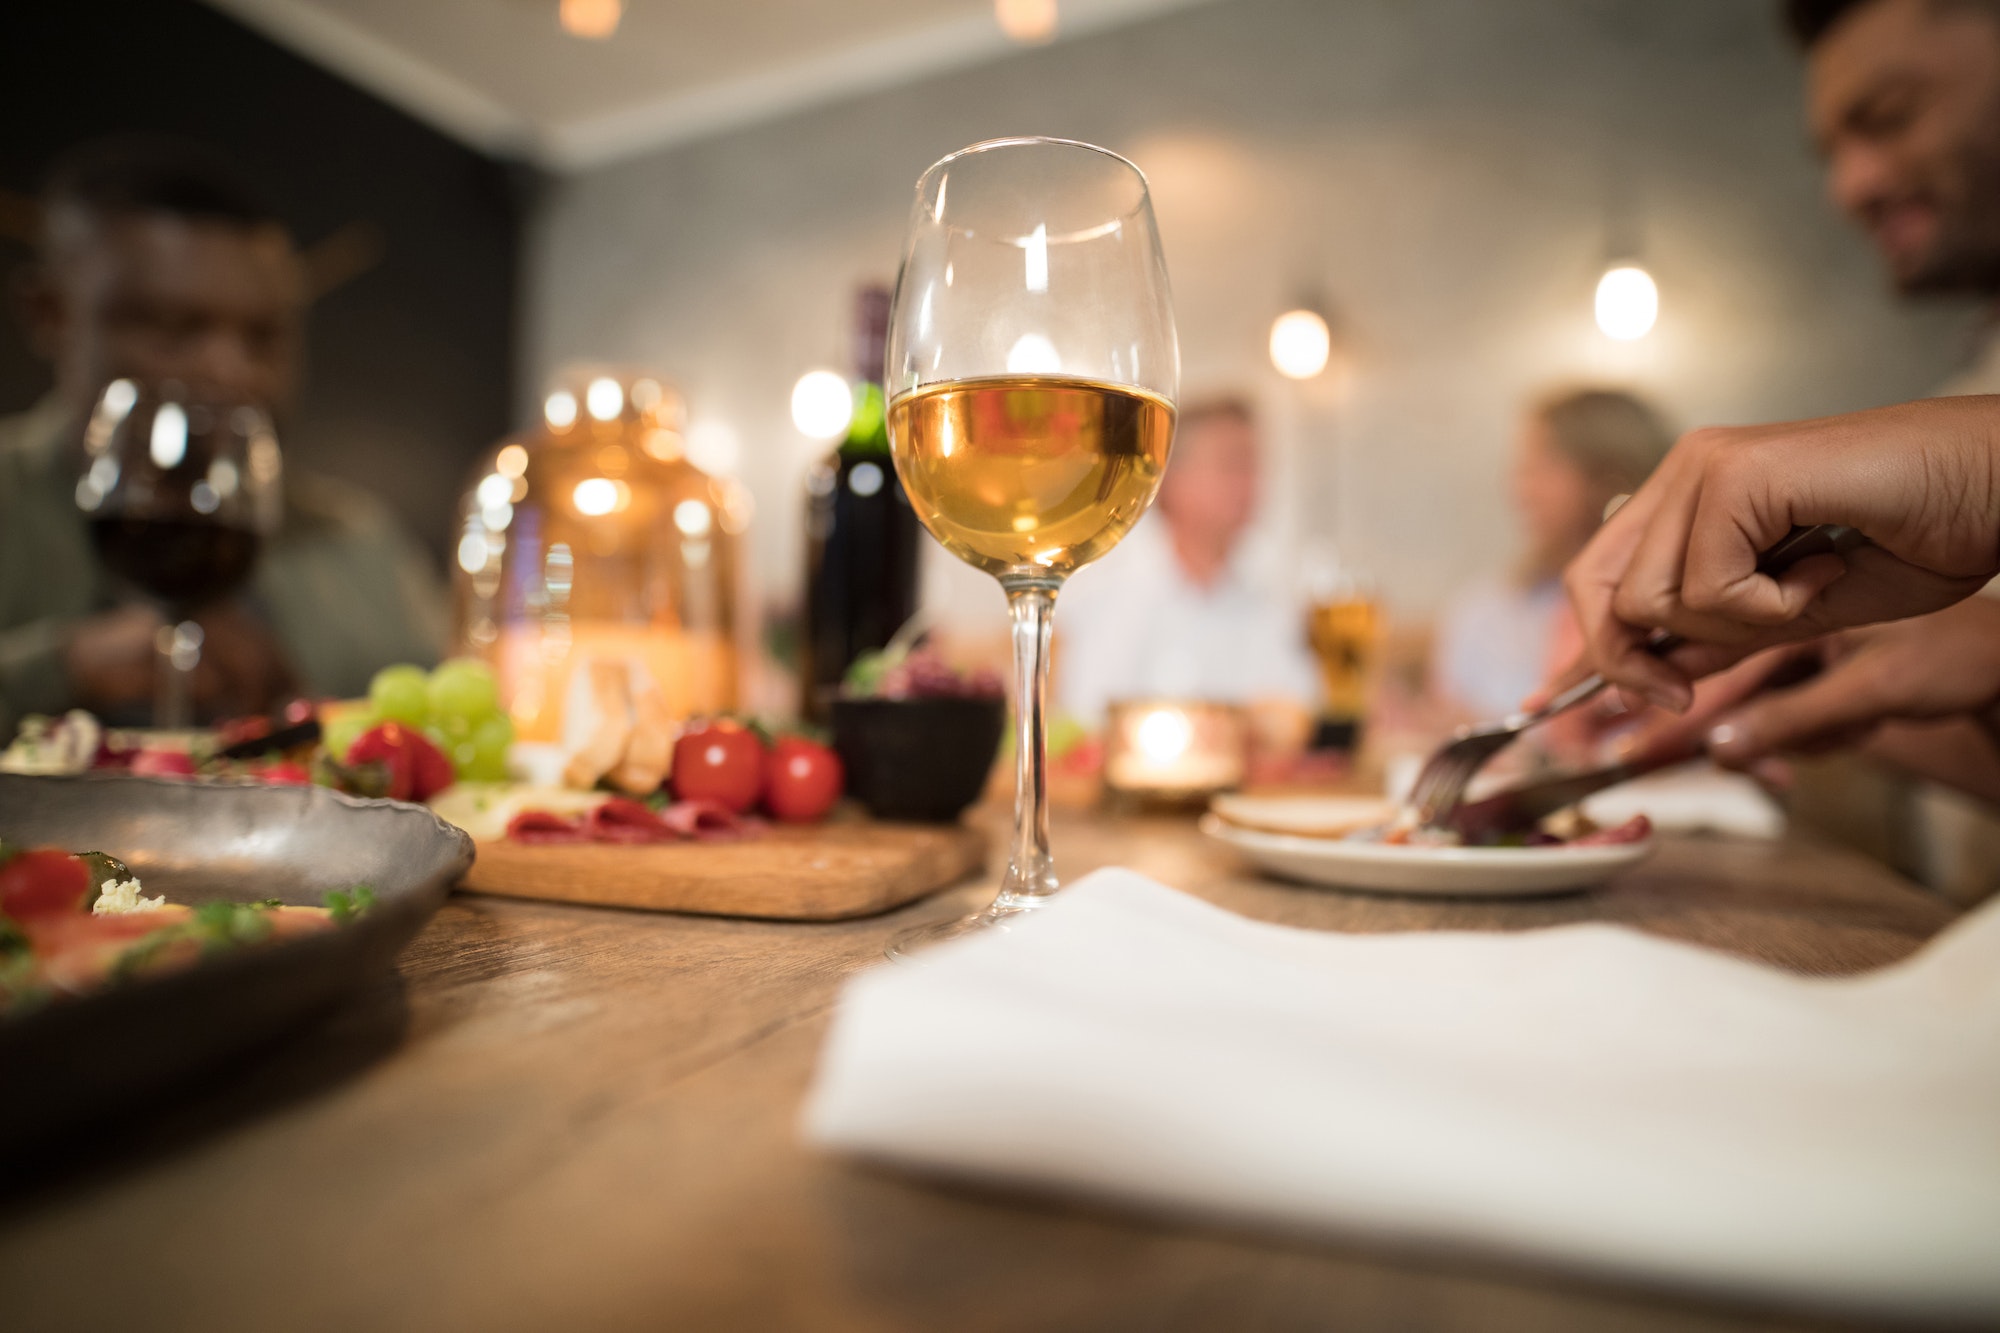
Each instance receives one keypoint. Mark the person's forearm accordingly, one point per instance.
(1962, 752)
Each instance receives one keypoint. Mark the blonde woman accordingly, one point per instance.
(1575, 450)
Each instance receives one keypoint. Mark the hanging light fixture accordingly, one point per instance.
(591, 19)
(1628, 302)
(1027, 21)
(822, 405)
(1301, 343)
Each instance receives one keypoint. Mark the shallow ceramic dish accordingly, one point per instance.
(196, 843)
(1452, 872)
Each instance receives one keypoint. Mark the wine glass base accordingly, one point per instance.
(918, 940)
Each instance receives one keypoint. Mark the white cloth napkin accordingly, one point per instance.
(1694, 798)
(1586, 1095)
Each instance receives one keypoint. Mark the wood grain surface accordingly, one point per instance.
(826, 872)
(571, 1118)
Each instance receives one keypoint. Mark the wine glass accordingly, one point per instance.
(1031, 373)
(179, 490)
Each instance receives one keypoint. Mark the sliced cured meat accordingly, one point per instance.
(547, 828)
(702, 819)
(621, 820)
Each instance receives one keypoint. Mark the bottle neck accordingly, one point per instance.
(867, 431)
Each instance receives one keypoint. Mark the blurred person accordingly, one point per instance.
(1575, 451)
(156, 264)
(1174, 611)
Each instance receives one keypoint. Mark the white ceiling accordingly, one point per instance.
(503, 77)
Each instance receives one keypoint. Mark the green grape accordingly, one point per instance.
(489, 743)
(339, 729)
(463, 688)
(401, 694)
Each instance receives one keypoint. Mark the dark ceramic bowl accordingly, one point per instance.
(195, 843)
(917, 759)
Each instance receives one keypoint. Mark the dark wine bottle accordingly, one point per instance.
(862, 537)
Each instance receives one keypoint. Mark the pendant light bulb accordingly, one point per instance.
(1027, 21)
(1628, 302)
(822, 405)
(1301, 342)
(594, 20)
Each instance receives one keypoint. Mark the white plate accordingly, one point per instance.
(1462, 872)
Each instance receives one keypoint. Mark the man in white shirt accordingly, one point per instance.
(1175, 611)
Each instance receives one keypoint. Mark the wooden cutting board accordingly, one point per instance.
(823, 873)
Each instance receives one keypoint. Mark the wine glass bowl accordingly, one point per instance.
(1032, 367)
(179, 491)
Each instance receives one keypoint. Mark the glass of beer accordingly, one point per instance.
(1031, 372)
(1343, 629)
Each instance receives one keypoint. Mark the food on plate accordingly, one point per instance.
(74, 923)
(484, 809)
(401, 694)
(455, 709)
(1388, 823)
(415, 734)
(1307, 816)
(630, 747)
(611, 698)
(53, 745)
(721, 761)
(341, 724)
(720, 771)
(1574, 831)
(620, 819)
(410, 766)
(649, 753)
(802, 780)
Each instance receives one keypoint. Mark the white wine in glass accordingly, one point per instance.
(1032, 369)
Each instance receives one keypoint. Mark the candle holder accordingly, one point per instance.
(1173, 753)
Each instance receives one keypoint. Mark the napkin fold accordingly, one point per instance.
(1584, 1095)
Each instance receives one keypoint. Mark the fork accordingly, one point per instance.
(1441, 784)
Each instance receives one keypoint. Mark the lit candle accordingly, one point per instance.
(1175, 750)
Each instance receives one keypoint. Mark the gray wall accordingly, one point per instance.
(1439, 168)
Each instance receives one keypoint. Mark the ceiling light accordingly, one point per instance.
(593, 19)
(822, 405)
(1628, 302)
(1300, 343)
(1026, 20)
(605, 398)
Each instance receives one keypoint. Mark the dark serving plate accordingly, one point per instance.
(196, 843)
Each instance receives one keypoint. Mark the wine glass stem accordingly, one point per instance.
(1031, 874)
(178, 646)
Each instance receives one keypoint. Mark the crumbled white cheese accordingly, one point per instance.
(121, 896)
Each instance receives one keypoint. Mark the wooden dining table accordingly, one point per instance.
(569, 1118)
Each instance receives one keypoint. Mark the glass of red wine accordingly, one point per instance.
(179, 489)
